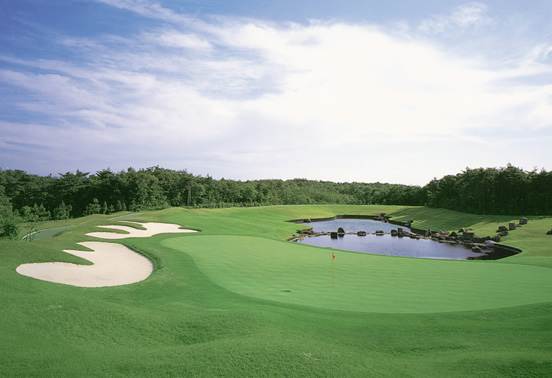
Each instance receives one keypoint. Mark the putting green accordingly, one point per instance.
(302, 275)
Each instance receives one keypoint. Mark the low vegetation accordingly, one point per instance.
(237, 300)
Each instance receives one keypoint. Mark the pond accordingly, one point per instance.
(384, 244)
(44, 234)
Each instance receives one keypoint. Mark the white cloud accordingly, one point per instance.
(172, 38)
(148, 9)
(471, 15)
(249, 97)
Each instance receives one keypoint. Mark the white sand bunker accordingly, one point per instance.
(150, 230)
(114, 264)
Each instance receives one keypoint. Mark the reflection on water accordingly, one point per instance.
(382, 245)
(352, 225)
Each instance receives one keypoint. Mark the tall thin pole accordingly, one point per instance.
(333, 257)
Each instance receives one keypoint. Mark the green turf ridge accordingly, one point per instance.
(190, 318)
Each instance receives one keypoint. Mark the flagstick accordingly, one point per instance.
(333, 257)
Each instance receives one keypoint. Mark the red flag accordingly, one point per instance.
(333, 256)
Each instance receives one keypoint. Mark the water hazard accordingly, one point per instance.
(383, 244)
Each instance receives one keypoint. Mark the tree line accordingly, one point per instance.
(29, 198)
(503, 191)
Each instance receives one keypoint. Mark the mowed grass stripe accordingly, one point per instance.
(302, 275)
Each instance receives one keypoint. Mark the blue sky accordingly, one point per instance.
(394, 91)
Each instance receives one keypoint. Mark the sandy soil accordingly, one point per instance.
(150, 230)
(113, 264)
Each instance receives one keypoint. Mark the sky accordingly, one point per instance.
(396, 91)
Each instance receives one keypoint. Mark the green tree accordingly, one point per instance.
(8, 221)
(35, 213)
(74, 190)
(63, 211)
(93, 208)
(105, 208)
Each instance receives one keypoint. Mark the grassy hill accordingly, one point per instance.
(237, 300)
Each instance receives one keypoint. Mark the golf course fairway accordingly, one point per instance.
(236, 300)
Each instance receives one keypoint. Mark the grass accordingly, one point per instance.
(217, 304)
(294, 273)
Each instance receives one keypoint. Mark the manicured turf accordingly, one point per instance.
(218, 304)
(299, 274)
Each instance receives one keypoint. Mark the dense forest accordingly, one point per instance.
(30, 198)
(503, 191)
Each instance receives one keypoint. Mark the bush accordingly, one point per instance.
(9, 229)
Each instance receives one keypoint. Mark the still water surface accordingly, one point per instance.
(382, 245)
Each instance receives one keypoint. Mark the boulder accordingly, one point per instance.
(333, 235)
(340, 231)
(511, 226)
(502, 228)
(523, 221)
(394, 233)
(380, 232)
(497, 238)
(468, 235)
(549, 232)
(428, 233)
(361, 233)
